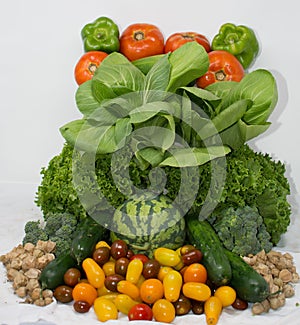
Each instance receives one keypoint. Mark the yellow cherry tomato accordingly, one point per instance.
(226, 294)
(166, 256)
(163, 271)
(94, 272)
(124, 303)
(102, 243)
(172, 285)
(129, 289)
(109, 267)
(134, 270)
(196, 290)
(102, 291)
(105, 309)
(212, 310)
(163, 311)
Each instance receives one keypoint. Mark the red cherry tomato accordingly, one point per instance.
(141, 40)
(87, 65)
(144, 258)
(140, 312)
(176, 40)
(223, 66)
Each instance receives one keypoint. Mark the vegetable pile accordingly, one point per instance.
(156, 204)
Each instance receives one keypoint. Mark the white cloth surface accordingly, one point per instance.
(17, 207)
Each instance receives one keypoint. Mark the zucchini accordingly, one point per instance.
(86, 236)
(53, 273)
(248, 283)
(202, 235)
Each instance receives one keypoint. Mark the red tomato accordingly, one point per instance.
(141, 40)
(87, 65)
(176, 40)
(144, 258)
(140, 312)
(223, 66)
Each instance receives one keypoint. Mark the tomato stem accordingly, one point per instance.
(139, 35)
(220, 75)
(92, 68)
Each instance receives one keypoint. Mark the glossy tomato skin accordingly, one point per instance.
(140, 312)
(141, 40)
(176, 40)
(223, 66)
(87, 65)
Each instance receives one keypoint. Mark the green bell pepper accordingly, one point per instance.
(101, 35)
(239, 41)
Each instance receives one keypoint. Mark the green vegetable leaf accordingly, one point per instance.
(188, 62)
(85, 100)
(260, 87)
(188, 157)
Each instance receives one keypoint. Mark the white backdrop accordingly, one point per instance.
(40, 44)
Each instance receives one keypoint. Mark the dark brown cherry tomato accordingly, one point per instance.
(72, 276)
(197, 307)
(141, 40)
(240, 304)
(121, 265)
(151, 269)
(101, 255)
(183, 305)
(140, 312)
(192, 256)
(63, 293)
(118, 249)
(176, 40)
(81, 306)
(87, 65)
(130, 253)
(111, 281)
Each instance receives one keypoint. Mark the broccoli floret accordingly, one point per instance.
(34, 232)
(241, 230)
(59, 228)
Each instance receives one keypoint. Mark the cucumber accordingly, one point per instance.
(202, 235)
(86, 236)
(248, 284)
(53, 274)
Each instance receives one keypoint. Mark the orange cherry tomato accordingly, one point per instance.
(163, 311)
(176, 40)
(226, 294)
(212, 310)
(129, 289)
(94, 272)
(151, 290)
(172, 285)
(141, 40)
(195, 272)
(223, 66)
(87, 65)
(84, 291)
(196, 290)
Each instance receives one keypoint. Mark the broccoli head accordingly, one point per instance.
(241, 230)
(34, 232)
(58, 227)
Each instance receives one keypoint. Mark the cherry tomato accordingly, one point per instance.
(167, 257)
(144, 258)
(63, 293)
(163, 311)
(105, 309)
(212, 310)
(84, 291)
(134, 270)
(226, 294)
(72, 276)
(176, 40)
(81, 306)
(124, 303)
(196, 290)
(87, 65)
(151, 290)
(140, 312)
(172, 285)
(118, 249)
(141, 40)
(195, 272)
(129, 289)
(94, 272)
(223, 66)
(109, 268)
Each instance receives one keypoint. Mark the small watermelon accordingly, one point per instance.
(148, 223)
